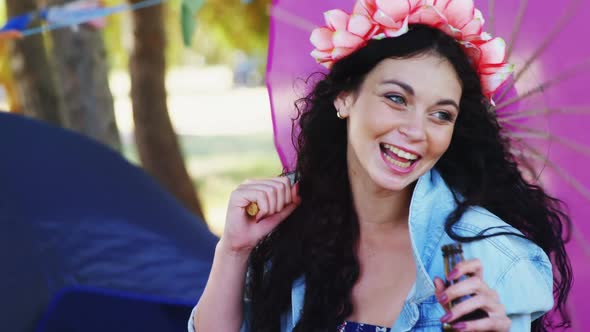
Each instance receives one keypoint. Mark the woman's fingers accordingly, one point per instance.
(499, 324)
(278, 190)
(474, 294)
(279, 193)
(439, 288)
(472, 267)
(469, 286)
(285, 185)
(270, 222)
(246, 195)
(483, 302)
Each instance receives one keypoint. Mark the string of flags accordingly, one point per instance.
(72, 14)
(92, 13)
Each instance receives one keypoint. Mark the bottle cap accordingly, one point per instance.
(453, 248)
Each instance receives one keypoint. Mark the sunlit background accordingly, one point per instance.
(216, 97)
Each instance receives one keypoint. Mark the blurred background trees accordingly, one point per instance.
(33, 71)
(132, 85)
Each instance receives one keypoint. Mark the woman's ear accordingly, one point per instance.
(343, 103)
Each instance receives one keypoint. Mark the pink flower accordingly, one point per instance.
(372, 19)
(343, 35)
(494, 76)
(458, 18)
(392, 16)
(489, 59)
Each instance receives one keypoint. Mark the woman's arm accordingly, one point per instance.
(220, 307)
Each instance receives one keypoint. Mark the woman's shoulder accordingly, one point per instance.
(514, 266)
(509, 243)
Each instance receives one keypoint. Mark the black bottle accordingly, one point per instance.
(452, 255)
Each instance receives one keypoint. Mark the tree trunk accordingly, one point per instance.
(81, 63)
(32, 71)
(157, 144)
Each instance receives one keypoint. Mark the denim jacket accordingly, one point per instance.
(516, 268)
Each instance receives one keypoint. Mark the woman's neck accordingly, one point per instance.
(379, 210)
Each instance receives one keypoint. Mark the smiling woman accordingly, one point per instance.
(399, 154)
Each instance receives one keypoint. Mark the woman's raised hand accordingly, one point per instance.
(276, 199)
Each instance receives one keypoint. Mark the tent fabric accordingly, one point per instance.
(76, 213)
(96, 310)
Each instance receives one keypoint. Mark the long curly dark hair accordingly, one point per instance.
(318, 240)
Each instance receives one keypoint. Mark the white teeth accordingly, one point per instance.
(396, 162)
(400, 153)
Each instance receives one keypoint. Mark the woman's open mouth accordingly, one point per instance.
(398, 157)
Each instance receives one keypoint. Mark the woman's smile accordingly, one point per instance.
(398, 159)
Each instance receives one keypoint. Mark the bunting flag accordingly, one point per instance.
(71, 14)
(187, 19)
(74, 12)
(10, 34)
(19, 23)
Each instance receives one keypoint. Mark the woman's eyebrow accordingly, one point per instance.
(411, 92)
(448, 102)
(403, 85)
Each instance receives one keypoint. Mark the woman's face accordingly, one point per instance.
(401, 120)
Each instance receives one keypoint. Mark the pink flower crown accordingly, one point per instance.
(376, 19)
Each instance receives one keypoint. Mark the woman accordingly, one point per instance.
(399, 154)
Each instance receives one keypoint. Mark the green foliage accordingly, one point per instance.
(118, 33)
(112, 35)
(175, 46)
(232, 25)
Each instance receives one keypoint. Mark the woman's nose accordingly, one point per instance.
(414, 127)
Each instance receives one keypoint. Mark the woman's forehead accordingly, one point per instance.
(424, 74)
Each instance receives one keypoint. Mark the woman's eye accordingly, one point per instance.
(397, 99)
(445, 116)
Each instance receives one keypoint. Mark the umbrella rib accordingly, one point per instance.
(534, 133)
(565, 18)
(579, 187)
(291, 19)
(537, 174)
(516, 28)
(491, 16)
(545, 111)
(582, 242)
(573, 182)
(572, 71)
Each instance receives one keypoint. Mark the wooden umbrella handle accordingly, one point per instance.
(252, 209)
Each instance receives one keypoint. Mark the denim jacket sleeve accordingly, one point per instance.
(516, 268)
(529, 279)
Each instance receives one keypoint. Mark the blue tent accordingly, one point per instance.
(83, 230)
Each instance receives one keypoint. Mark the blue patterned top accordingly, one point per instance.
(360, 327)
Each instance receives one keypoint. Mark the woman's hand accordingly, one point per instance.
(276, 199)
(482, 297)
